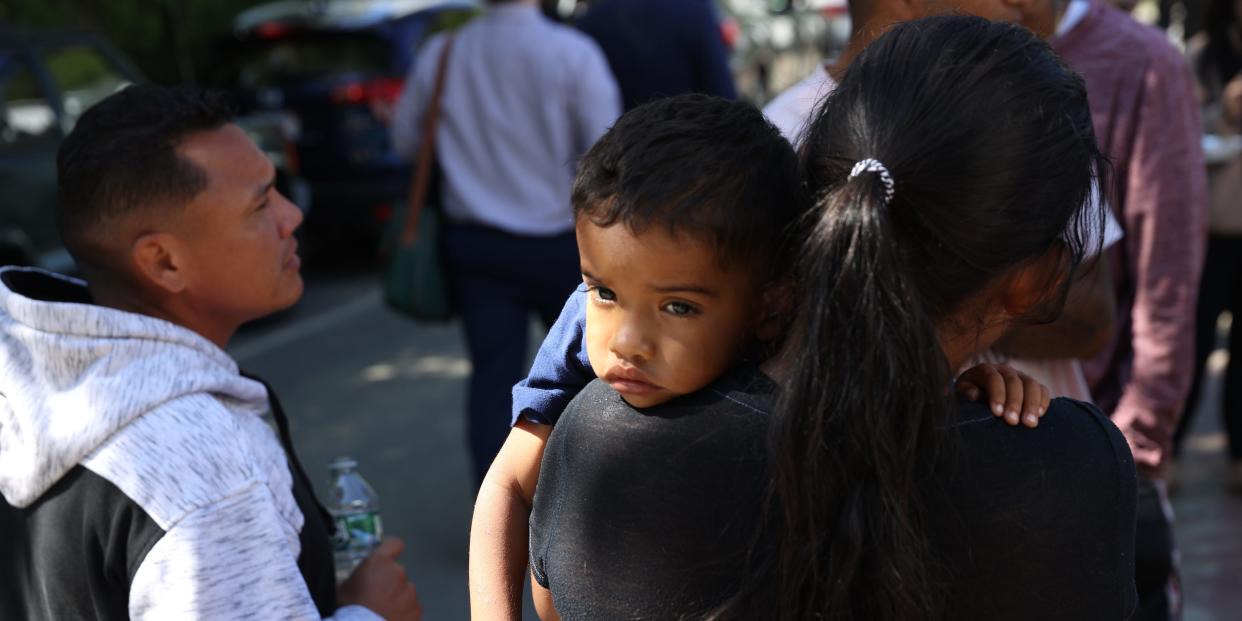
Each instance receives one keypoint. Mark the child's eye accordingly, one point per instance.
(680, 309)
(604, 294)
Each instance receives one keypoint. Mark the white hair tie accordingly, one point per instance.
(875, 166)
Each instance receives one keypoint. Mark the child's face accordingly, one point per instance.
(664, 317)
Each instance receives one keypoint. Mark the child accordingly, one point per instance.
(686, 222)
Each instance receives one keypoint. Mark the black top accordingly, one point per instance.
(650, 513)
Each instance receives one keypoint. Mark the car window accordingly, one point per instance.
(283, 60)
(84, 76)
(25, 113)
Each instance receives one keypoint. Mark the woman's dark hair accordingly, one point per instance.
(704, 166)
(1222, 58)
(989, 142)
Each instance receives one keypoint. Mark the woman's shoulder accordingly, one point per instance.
(1076, 432)
(1016, 512)
(1075, 458)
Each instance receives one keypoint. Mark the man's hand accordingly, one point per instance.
(380, 584)
(1015, 396)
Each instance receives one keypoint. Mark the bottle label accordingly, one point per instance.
(357, 530)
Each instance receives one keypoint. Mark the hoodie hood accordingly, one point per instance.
(73, 374)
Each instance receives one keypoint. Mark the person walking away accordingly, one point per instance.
(661, 48)
(523, 99)
(1147, 122)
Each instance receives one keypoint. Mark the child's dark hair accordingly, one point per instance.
(701, 166)
(988, 140)
(121, 156)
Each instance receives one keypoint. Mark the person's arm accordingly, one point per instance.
(499, 529)
(237, 558)
(1166, 218)
(542, 599)
(1086, 324)
(560, 370)
(407, 116)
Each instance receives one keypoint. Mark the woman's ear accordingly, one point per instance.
(1034, 284)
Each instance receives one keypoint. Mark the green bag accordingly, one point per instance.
(415, 280)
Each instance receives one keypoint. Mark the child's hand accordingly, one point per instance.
(1015, 396)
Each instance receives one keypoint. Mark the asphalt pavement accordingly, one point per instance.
(357, 379)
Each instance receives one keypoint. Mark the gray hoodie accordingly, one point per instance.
(137, 446)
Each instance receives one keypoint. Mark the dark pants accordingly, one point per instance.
(1219, 290)
(1155, 557)
(499, 279)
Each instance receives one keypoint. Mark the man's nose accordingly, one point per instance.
(291, 217)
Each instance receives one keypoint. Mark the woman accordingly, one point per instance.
(948, 169)
(949, 165)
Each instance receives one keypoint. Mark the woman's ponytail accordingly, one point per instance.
(857, 412)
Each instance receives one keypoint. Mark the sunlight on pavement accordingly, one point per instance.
(441, 367)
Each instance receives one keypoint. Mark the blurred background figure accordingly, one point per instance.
(1147, 123)
(1216, 59)
(660, 48)
(523, 98)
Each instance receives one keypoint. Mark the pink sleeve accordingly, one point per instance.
(1166, 217)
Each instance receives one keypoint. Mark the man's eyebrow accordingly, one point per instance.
(588, 275)
(687, 288)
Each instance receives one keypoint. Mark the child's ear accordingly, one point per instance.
(775, 309)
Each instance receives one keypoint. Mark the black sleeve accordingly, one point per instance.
(1036, 523)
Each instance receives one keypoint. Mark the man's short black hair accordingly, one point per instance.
(708, 167)
(121, 157)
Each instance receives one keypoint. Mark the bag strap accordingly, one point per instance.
(426, 152)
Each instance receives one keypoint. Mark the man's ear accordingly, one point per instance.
(775, 312)
(156, 258)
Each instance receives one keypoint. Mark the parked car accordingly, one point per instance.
(47, 80)
(339, 66)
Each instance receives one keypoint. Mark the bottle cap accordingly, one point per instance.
(343, 463)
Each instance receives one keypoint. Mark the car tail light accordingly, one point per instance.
(271, 30)
(382, 212)
(730, 31)
(381, 91)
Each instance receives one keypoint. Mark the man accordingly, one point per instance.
(140, 475)
(661, 48)
(523, 99)
(1147, 123)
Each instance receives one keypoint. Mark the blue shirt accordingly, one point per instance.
(660, 48)
(561, 368)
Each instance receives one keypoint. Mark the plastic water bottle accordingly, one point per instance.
(355, 508)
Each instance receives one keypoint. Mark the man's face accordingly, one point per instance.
(663, 318)
(236, 240)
